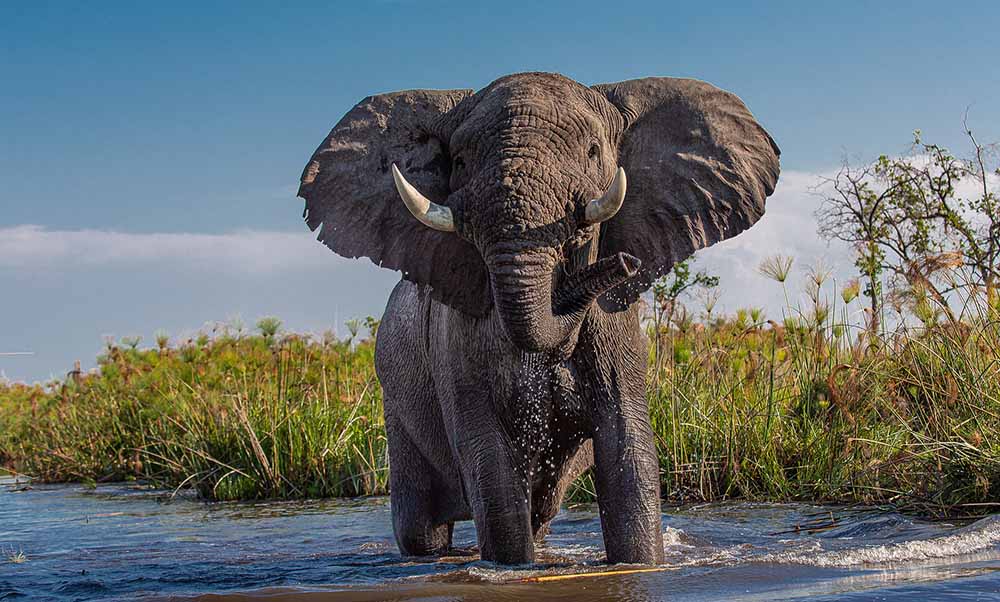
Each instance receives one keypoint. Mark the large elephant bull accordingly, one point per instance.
(526, 219)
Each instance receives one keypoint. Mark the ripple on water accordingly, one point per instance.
(121, 542)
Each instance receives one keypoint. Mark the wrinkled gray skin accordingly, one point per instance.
(510, 354)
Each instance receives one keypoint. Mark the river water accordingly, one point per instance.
(126, 543)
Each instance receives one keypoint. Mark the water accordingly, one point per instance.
(126, 543)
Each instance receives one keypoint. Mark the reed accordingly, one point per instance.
(822, 404)
(235, 417)
(821, 407)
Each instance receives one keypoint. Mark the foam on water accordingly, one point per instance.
(674, 538)
(981, 535)
(712, 552)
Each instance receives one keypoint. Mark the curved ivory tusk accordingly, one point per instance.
(429, 213)
(604, 208)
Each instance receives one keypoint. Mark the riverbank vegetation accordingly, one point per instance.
(885, 390)
(233, 415)
(813, 405)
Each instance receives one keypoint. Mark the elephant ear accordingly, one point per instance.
(699, 169)
(351, 198)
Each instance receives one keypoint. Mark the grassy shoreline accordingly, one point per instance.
(235, 417)
(814, 408)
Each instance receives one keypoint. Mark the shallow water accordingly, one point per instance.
(126, 543)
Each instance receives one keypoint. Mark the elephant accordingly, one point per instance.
(527, 219)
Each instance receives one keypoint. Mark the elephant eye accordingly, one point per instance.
(593, 152)
(459, 163)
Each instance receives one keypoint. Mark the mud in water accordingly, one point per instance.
(119, 542)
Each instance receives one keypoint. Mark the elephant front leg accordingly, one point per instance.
(500, 499)
(626, 466)
(628, 485)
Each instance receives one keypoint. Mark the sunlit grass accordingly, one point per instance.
(233, 417)
(819, 404)
(821, 407)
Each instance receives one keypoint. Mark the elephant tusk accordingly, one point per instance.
(604, 208)
(429, 213)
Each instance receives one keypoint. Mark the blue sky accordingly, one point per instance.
(123, 124)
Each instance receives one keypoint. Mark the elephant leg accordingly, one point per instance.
(414, 496)
(628, 485)
(424, 480)
(626, 465)
(500, 499)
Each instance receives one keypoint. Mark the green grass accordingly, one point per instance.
(796, 413)
(823, 408)
(234, 417)
(813, 406)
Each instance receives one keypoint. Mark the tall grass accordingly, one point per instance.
(819, 407)
(822, 404)
(234, 417)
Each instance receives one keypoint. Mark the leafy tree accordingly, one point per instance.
(372, 323)
(907, 219)
(669, 289)
(667, 292)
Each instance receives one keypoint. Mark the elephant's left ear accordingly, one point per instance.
(699, 168)
(351, 197)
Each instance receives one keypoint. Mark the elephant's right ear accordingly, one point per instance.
(350, 195)
(699, 170)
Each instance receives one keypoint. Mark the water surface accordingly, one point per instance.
(125, 543)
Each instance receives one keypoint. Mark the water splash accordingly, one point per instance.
(713, 552)
(981, 535)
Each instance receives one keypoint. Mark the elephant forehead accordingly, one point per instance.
(538, 122)
(532, 116)
(558, 89)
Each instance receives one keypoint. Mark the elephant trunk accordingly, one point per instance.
(537, 318)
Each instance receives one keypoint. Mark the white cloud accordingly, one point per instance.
(787, 228)
(68, 287)
(251, 251)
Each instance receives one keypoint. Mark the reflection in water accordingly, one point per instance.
(120, 542)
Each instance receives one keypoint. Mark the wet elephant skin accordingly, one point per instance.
(510, 354)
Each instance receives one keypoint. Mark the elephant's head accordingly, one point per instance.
(538, 194)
